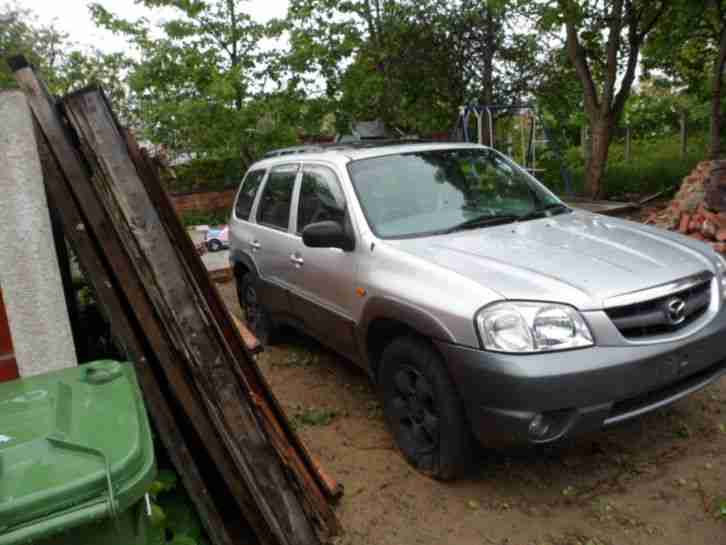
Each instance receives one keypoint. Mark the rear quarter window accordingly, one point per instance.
(246, 196)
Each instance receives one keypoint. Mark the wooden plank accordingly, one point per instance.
(608, 208)
(251, 375)
(292, 512)
(73, 226)
(98, 223)
(250, 341)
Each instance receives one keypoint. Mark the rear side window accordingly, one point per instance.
(274, 207)
(321, 197)
(247, 193)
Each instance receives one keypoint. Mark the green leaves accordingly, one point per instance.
(173, 518)
(721, 510)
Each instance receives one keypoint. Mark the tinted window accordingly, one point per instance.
(247, 193)
(321, 198)
(274, 207)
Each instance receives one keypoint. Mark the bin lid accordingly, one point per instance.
(70, 439)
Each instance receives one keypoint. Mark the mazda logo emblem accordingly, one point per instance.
(675, 310)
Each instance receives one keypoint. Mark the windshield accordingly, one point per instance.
(438, 191)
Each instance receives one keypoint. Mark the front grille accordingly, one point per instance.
(651, 317)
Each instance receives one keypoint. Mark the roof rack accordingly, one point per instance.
(340, 146)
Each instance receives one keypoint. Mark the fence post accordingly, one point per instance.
(684, 134)
(628, 142)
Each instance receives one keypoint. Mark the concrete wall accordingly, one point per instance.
(29, 275)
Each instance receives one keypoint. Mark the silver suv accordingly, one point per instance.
(474, 297)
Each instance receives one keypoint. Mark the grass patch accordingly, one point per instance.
(312, 416)
(655, 165)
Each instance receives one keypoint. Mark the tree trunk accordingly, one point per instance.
(595, 169)
(487, 94)
(716, 90)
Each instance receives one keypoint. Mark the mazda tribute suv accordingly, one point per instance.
(480, 304)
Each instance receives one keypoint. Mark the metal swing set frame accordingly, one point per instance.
(529, 137)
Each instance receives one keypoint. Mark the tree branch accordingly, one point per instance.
(650, 24)
(613, 46)
(577, 57)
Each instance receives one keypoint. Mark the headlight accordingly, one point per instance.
(532, 327)
(721, 266)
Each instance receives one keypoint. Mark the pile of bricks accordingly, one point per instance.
(699, 208)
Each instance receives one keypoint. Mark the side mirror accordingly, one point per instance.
(327, 234)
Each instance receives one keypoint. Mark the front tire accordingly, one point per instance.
(423, 409)
(255, 314)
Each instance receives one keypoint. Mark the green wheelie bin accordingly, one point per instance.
(76, 458)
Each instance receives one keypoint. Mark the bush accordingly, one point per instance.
(655, 165)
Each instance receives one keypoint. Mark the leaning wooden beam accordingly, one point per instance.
(294, 451)
(292, 509)
(130, 340)
(102, 230)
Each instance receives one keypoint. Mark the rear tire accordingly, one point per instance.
(214, 245)
(255, 314)
(423, 409)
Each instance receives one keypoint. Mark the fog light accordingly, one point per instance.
(539, 427)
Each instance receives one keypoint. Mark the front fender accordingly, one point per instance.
(389, 308)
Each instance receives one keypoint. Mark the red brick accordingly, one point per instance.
(719, 247)
(708, 229)
(695, 224)
(697, 235)
(685, 222)
(721, 235)
(206, 201)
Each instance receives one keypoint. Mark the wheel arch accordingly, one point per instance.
(385, 319)
(242, 263)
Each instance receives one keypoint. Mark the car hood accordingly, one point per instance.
(578, 258)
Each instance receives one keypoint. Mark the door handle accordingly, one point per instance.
(297, 260)
(255, 245)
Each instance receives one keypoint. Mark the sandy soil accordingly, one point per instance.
(659, 480)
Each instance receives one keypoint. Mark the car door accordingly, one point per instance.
(271, 242)
(323, 291)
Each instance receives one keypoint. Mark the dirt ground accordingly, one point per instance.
(658, 480)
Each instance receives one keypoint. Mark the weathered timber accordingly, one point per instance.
(284, 436)
(129, 339)
(286, 494)
(97, 222)
(251, 342)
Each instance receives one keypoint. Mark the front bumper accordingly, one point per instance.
(580, 390)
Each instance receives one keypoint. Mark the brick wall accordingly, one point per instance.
(204, 201)
(8, 366)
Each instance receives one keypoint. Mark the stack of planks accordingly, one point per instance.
(251, 478)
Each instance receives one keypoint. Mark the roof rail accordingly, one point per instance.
(339, 146)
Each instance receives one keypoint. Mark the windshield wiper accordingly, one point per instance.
(545, 211)
(482, 221)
